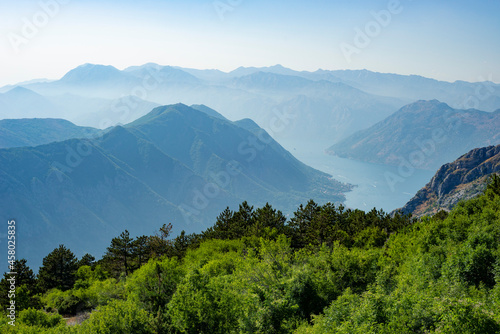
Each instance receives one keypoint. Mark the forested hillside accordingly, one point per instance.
(326, 270)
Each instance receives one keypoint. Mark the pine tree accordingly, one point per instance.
(159, 244)
(267, 217)
(119, 253)
(58, 270)
(26, 286)
(86, 260)
(494, 183)
(141, 250)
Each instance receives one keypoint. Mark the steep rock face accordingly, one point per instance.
(462, 179)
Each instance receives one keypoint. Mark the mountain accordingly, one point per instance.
(483, 95)
(206, 144)
(208, 111)
(462, 179)
(99, 81)
(424, 134)
(164, 74)
(37, 131)
(298, 108)
(298, 103)
(91, 74)
(92, 80)
(20, 102)
(259, 93)
(176, 164)
(265, 81)
(5, 89)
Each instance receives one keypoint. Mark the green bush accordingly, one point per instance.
(38, 318)
(118, 317)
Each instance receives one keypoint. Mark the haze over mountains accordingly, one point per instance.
(176, 164)
(425, 134)
(285, 102)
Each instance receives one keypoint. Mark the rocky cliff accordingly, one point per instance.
(462, 179)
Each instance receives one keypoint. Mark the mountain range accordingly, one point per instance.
(285, 102)
(424, 134)
(176, 165)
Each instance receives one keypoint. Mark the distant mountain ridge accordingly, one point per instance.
(20, 102)
(462, 179)
(298, 108)
(34, 132)
(425, 134)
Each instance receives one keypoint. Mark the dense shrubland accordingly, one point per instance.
(328, 269)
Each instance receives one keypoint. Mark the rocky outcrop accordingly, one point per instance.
(460, 180)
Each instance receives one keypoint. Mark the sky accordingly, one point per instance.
(445, 40)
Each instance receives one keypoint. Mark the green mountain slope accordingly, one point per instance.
(207, 145)
(424, 134)
(176, 165)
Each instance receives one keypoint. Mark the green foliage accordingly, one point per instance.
(152, 287)
(119, 254)
(494, 184)
(314, 225)
(38, 318)
(466, 316)
(90, 290)
(206, 301)
(327, 270)
(118, 317)
(140, 250)
(159, 244)
(437, 275)
(26, 287)
(58, 270)
(86, 260)
(63, 302)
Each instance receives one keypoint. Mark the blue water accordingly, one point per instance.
(380, 186)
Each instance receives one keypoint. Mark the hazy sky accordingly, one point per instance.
(447, 40)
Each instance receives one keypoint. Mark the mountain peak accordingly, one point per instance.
(426, 105)
(270, 80)
(91, 72)
(20, 91)
(160, 111)
(147, 65)
(209, 111)
(247, 124)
